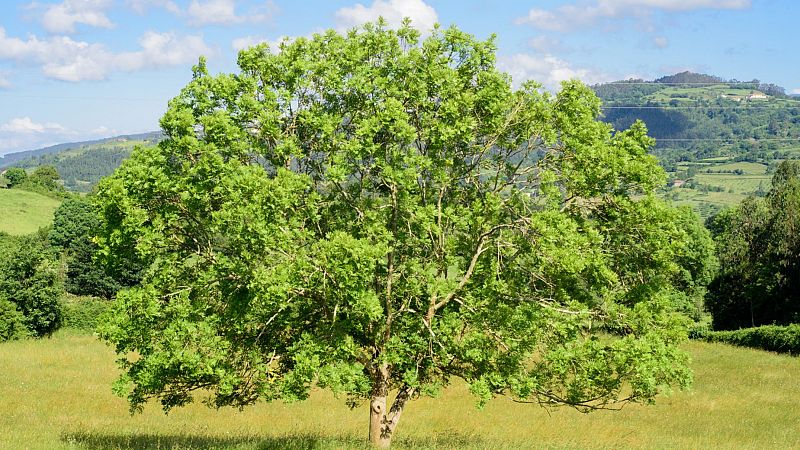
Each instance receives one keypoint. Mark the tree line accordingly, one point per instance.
(37, 270)
(758, 247)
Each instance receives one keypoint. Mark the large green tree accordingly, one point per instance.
(380, 215)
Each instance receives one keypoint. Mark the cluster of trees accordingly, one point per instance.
(30, 287)
(44, 180)
(36, 270)
(758, 245)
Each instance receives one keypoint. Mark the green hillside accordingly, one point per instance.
(13, 159)
(83, 166)
(718, 140)
(24, 212)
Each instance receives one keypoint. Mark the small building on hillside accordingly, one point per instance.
(757, 96)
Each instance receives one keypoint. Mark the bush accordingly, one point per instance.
(84, 313)
(12, 322)
(782, 339)
(699, 330)
(15, 176)
(29, 278)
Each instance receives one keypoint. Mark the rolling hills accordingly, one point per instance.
(82, 164)
(719, 140)
(14, 159)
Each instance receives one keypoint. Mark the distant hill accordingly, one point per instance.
(695, 116)
(12, 158)
(688, 78)
(82, 164)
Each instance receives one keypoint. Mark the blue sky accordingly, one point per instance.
(73, 70)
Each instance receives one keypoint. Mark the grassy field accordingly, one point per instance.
(24, 212)
(737, 180)
(740, 184)
(55, 394)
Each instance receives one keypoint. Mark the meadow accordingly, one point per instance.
(56, 395)
(24, 212)
(734, 181)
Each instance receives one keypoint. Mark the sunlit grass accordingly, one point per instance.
(748, 168)
(23, 212)
(56, 394)
(741, 184)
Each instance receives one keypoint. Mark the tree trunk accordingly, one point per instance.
(383, 421)
(379, 435)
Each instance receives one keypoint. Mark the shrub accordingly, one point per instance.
(29, 278)
(783, 339)
(15, 176)
(12, 322)
(84, 313)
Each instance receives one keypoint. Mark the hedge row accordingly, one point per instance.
(84, 313)
(783, 339)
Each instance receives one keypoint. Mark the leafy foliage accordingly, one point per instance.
(12, 322)
(85, 313)
(369, 213)
(29, 279)
(44, 180)
(74, 224)
(15, 176)
(758, 246)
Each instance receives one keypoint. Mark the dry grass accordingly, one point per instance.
(55, 394)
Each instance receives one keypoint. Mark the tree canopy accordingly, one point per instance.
(379, 215)
(758, 244)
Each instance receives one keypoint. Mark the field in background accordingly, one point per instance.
(23, 212)
(717, 183)
(56, 394)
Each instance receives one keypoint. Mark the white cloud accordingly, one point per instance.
(141, 6)
(660, 42)
(62, 17)
(223, 12)
(63, 58)
(422, 15)
(545, 68)
(162, 50)
(24, 125)
(795, 91)
(585, 13)
(23, 133)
